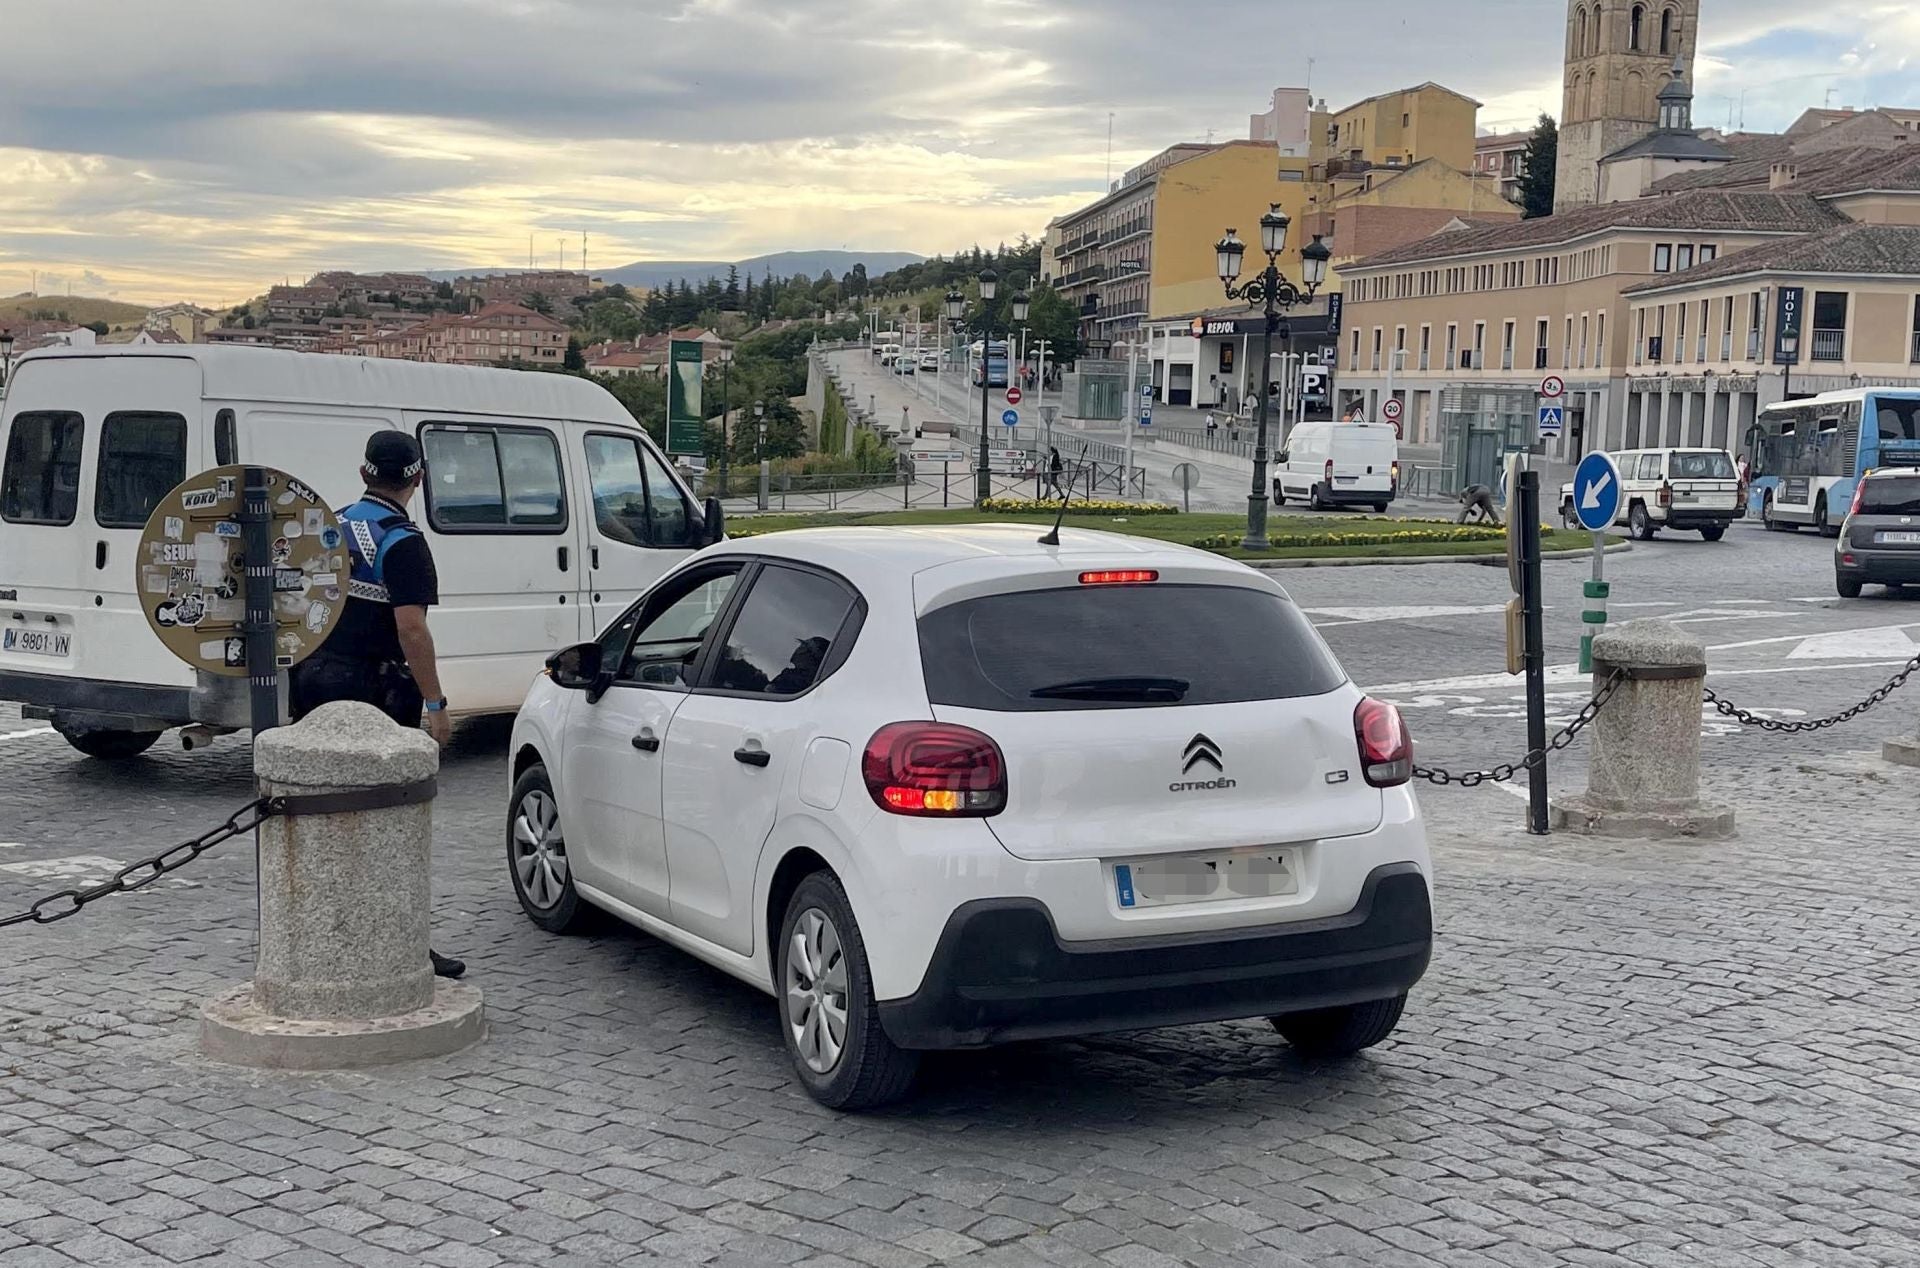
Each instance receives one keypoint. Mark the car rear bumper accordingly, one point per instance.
(1001, 972)
(1881, 569)
(1703, 517)
(1358, 497)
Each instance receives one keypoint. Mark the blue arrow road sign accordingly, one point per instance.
(1552, 419)
(1011, 418)
(1596, 492)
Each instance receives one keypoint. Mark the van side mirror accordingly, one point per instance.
(578, 668)
(716, 522)
(1283, 457)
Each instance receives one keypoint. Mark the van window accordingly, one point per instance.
(493, 479)
(1650, 466)
(1706, 465)
(635, 500)
(40, 483)
(142, 457)
(226, 440)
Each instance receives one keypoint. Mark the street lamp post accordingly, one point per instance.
(726, 425)
(760, 424)
(989, 287)
(1275, 294)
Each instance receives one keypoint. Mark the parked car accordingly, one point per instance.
(1685, 489)
(1880, 541)
(948, 788)
(1335, 464)
(528, 473)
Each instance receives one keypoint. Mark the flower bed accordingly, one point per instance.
(1080, 506)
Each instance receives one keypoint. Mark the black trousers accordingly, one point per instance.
(386, 685)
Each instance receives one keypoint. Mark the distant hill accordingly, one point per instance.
(654, 274)
(78, 309)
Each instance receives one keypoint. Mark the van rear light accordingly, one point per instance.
(1329, 476)
(935, 770)
(1120, 577)
(1386, 754)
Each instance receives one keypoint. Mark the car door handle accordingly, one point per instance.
(647, 741)
(752, 756)
(566, 559)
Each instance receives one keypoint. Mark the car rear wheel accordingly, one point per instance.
(1314, 499)
(1279, 494)
(1714, 533)
(537, 856)
(1569, 516)
(1341, 1032)
(1848, 587)
(111, 746)
(827, 1012)
(1641, 523)
(1380, 508)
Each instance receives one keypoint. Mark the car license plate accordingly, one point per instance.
(1166, 882)
(1896, 539)
(36, 642)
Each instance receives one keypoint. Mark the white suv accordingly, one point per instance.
(946, 788)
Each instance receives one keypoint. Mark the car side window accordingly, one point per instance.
(1650, 466)
(673, 626)
(40, 482)
(785, 634)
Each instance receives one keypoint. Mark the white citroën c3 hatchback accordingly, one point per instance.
(946, 788)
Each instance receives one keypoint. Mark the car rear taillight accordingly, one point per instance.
(1666, 495)
(935, 770)
(1386, 754)
(1859, 495)
(1120, 577)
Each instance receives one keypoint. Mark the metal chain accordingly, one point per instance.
(1742, 716)
(68, 902)
(1507, 770)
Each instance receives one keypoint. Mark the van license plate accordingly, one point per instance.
(1166, 882)
(36, 642)
(1896, 539)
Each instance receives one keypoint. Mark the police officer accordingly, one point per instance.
(381, 652)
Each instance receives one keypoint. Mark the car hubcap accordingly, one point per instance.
(816, 991)
(540, 850)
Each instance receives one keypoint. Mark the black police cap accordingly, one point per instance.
(392, 456)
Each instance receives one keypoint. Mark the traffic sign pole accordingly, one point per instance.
(1533, 605)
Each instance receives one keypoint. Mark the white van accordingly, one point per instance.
(547, 507)
(1681, 489)
(1339, 464)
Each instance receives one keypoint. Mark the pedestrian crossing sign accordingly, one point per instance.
(1553, 418)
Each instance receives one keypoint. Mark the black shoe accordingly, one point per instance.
(445, 966)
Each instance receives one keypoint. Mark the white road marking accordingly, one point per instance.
(21, 735)
(1801, 638)
(1356, 616)
(76, 869)
(1888, 640)
(1706, 616)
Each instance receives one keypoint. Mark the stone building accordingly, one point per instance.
(1620, 54)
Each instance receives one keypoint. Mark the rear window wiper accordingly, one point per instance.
(1145, 690)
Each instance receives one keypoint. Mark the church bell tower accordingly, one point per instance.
(1620, 54)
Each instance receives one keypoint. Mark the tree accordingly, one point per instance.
(97, 327)
(1051, 317)
(1543, 157)
(730, 298)
(539, 303)
(444, 290)
(573, 360)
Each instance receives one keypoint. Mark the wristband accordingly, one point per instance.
(437, 706)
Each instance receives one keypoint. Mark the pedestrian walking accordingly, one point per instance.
(1054, 468)
(1213, 425)
(381, 652)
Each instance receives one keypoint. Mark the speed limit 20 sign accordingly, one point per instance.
(1391, 409)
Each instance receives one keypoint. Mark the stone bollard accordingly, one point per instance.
(342, 977)
(1644, 776)
(1902, 750)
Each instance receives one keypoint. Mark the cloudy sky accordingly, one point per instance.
(205, 149)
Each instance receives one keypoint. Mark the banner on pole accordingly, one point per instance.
(683, 398)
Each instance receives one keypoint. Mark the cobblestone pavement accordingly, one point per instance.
(1624, 1054)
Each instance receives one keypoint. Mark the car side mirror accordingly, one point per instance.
(716, 522)
(578, 668)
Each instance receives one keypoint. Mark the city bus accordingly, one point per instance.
(1808, 454)
(996, 363)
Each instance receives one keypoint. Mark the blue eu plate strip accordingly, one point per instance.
(1123, 880)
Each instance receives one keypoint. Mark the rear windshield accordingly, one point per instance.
(1116, 647)
(1700, 466)
(1891, 495)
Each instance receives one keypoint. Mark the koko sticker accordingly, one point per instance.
(200, 499)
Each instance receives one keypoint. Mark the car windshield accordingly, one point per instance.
(1111, 647)
(1712, 465)
(1891, 495)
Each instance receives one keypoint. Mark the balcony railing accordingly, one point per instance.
(1916, 345)
(1425, 358)
(1753, 345)
(1506, 358)
(1376, 362)
(1700, 348)
(1829, 345)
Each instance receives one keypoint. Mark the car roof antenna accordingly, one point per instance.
(1066, 498)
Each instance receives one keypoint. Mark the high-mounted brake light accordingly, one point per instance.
(1119, 577)
(1386, 753)
(935, 770)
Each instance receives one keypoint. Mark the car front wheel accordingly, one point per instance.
(827, 1011)
(1341, 1032)
(537, 856)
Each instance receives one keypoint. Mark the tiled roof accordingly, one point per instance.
(1860, 169)
(1888, 250)
(1672, 144)
(1707, 210)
